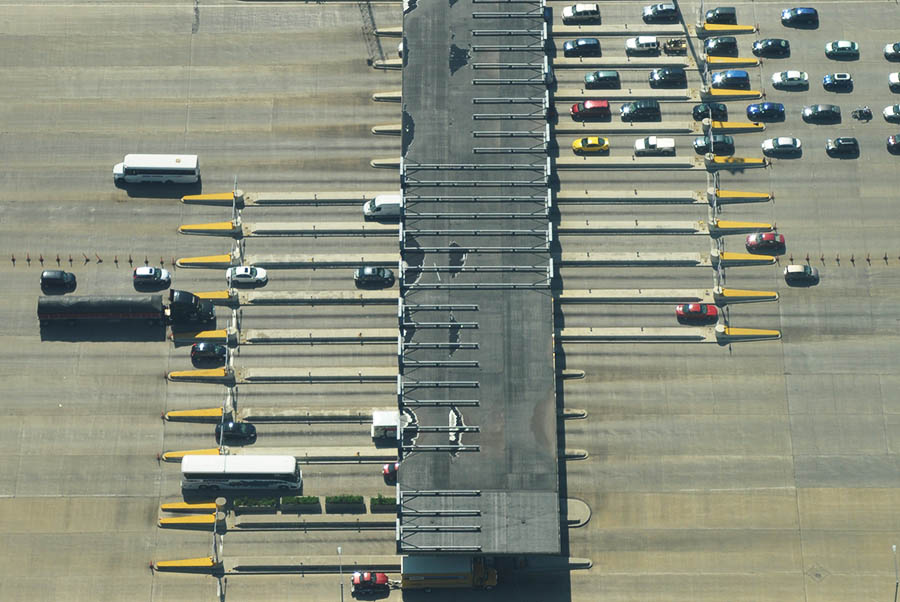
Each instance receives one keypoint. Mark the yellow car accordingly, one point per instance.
(591, 144)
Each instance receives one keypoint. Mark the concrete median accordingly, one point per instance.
(624, 260)
(349, 297)
(633, 196)
(638, 335)
(634, 227)
(262, 376)
(335, 336)
(285, 229)
(636, 296)
(626, 94)
(287, 262)
(631, 162)
(624, 62)
(590, 128)
(627, 29)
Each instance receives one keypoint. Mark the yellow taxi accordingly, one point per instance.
(591, 144)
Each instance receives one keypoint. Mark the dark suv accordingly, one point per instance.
(668, 77)
(235, 433)
(208, 355)
(799, 17)
(822, 114)
(57, 282)
(721, 46)
(582, 47)
(640, 110)
(715, 111)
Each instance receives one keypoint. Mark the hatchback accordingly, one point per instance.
(208, 355)
(582, 47)
(842, 147)
(837, 82)
(373, 276)
(590, 109)
(696, 313)
(235, 433)
(723, 15)
(799, 17)
(770, 243)
(721, 46)
(57, 282)
(715, 111)
(765, 111)
(721, 145)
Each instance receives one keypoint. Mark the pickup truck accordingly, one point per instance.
(651, 145)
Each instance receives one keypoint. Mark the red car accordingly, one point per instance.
(389, 471)
(590, 109)
(697, 313)
(369, 583)
(765, 242)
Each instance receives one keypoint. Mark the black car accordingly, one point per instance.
(842, 147)
(800, 17)
(57, 282)
(582, 47)
(721, 46)
(208, 355)
(668, 77)
(893, 144)
(235, 433)
(640, 110)
(822, 114)
(721, 144)
(772, 48)
(373, 276)
(723, 15)
(716, 111)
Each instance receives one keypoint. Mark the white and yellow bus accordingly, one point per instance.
(166, 169)
(241, 472)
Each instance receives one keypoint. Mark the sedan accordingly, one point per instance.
(582, 47)
(894, 81)
(790, 79)
(660, 13)
(208, 355)
(715, 111)
(837, 82)
(892, 51)
(842, 147)
(842, 49)
(590, 145)
(246, 275)
(821, 114)
(893, 144)
(697, 313)
(766, 111)
(57, 282)
(772, 48)
(891, 113)
(373, 276)
(235, 433)
(768, 243)
(721, 145)
(783, 145)
(668, 77)
(801, 275)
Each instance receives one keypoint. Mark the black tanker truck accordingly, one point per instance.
(185, 310)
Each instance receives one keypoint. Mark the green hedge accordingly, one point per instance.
(382, 501)
(300, 500)
(344, 498)
(269, 502)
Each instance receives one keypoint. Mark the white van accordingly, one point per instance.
(383, 206)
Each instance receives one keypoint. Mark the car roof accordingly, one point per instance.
(784, 140)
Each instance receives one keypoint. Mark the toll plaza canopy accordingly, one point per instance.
(479, 471)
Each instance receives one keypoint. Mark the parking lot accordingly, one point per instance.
(752, 471)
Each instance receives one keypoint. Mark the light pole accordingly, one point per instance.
(341, 571)
(896, 573)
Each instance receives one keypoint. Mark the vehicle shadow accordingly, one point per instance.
(160, 191)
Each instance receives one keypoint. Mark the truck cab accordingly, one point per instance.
(188, 307)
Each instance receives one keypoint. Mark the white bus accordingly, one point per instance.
(241, 472)
(181, 169)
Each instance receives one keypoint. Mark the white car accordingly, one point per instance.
(790, 79)
(642, 45)
(894, 81)
(781, 145)
(892, 51)
(146, 275)
(246, 275)
(581, 13)
(891, 113)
